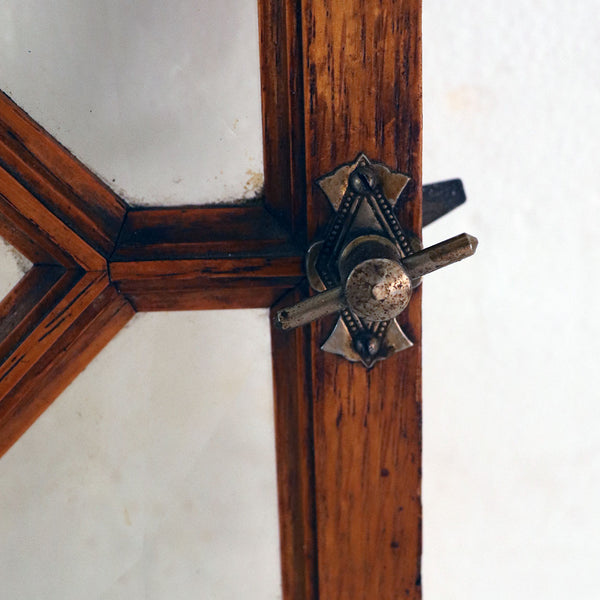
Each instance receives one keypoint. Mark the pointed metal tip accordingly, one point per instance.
(473, 242)
(441, 255)
(280, 320)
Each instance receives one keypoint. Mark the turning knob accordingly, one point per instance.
(377, 283)
(367, 265)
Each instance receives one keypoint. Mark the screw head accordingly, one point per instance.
(367, 345)
(363, 179)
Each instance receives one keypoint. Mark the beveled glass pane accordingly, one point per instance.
(161, 99)
(153, 474)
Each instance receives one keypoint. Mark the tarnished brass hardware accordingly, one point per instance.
(311, 309)
(378, 288)
(367, 266)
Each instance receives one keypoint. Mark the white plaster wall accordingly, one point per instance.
(161, 99)
(153, 475)
(512, 337)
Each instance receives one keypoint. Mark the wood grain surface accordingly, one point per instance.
(48, 229)
(280, 30)
(280, 33)
(295, 457)
(338, 78)
(203, 258)
(361, 72)
(65, 309)
(363, 93)
(73, 329)
(26, 304)
(190, 232)
(58, 185)
(26, 237)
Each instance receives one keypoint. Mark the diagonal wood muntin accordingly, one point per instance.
(97, 261)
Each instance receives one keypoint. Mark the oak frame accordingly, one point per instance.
(337, 78)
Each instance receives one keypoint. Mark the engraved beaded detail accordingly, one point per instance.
(362, 184)
(326, 262)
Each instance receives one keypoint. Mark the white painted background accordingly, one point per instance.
(153, 476)
(161, 99)
(511, 337)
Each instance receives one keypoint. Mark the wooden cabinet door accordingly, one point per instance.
(338, 78)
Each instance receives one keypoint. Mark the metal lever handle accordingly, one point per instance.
(311, 309)
(378, 284)
(367, 264)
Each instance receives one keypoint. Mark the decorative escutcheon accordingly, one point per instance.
(367, 266)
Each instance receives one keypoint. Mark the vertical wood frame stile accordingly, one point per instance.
(354, 523)
(338, 78)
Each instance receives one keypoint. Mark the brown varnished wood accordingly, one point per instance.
(368, 475)
(56, 351)
(53, 231)
(208, 294)
(26, 304)
(61, 186)
(200, 258)
(194, 232)
(362, 92)
(60, 216)
(84, 289)
(280, 28)
(282, 112)
(295, 458)
(25, 236)
(226, 267)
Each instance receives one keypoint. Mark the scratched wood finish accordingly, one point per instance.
(207, 294)
(280, 38)
(204, 258)
(36, 293)
(26, 237)
(63, 311)
(338, 78)
(55, 231)
(280, 30)
(193, 232)
(50, 186)
(362, 93)
(295, 458)
(66, 337)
